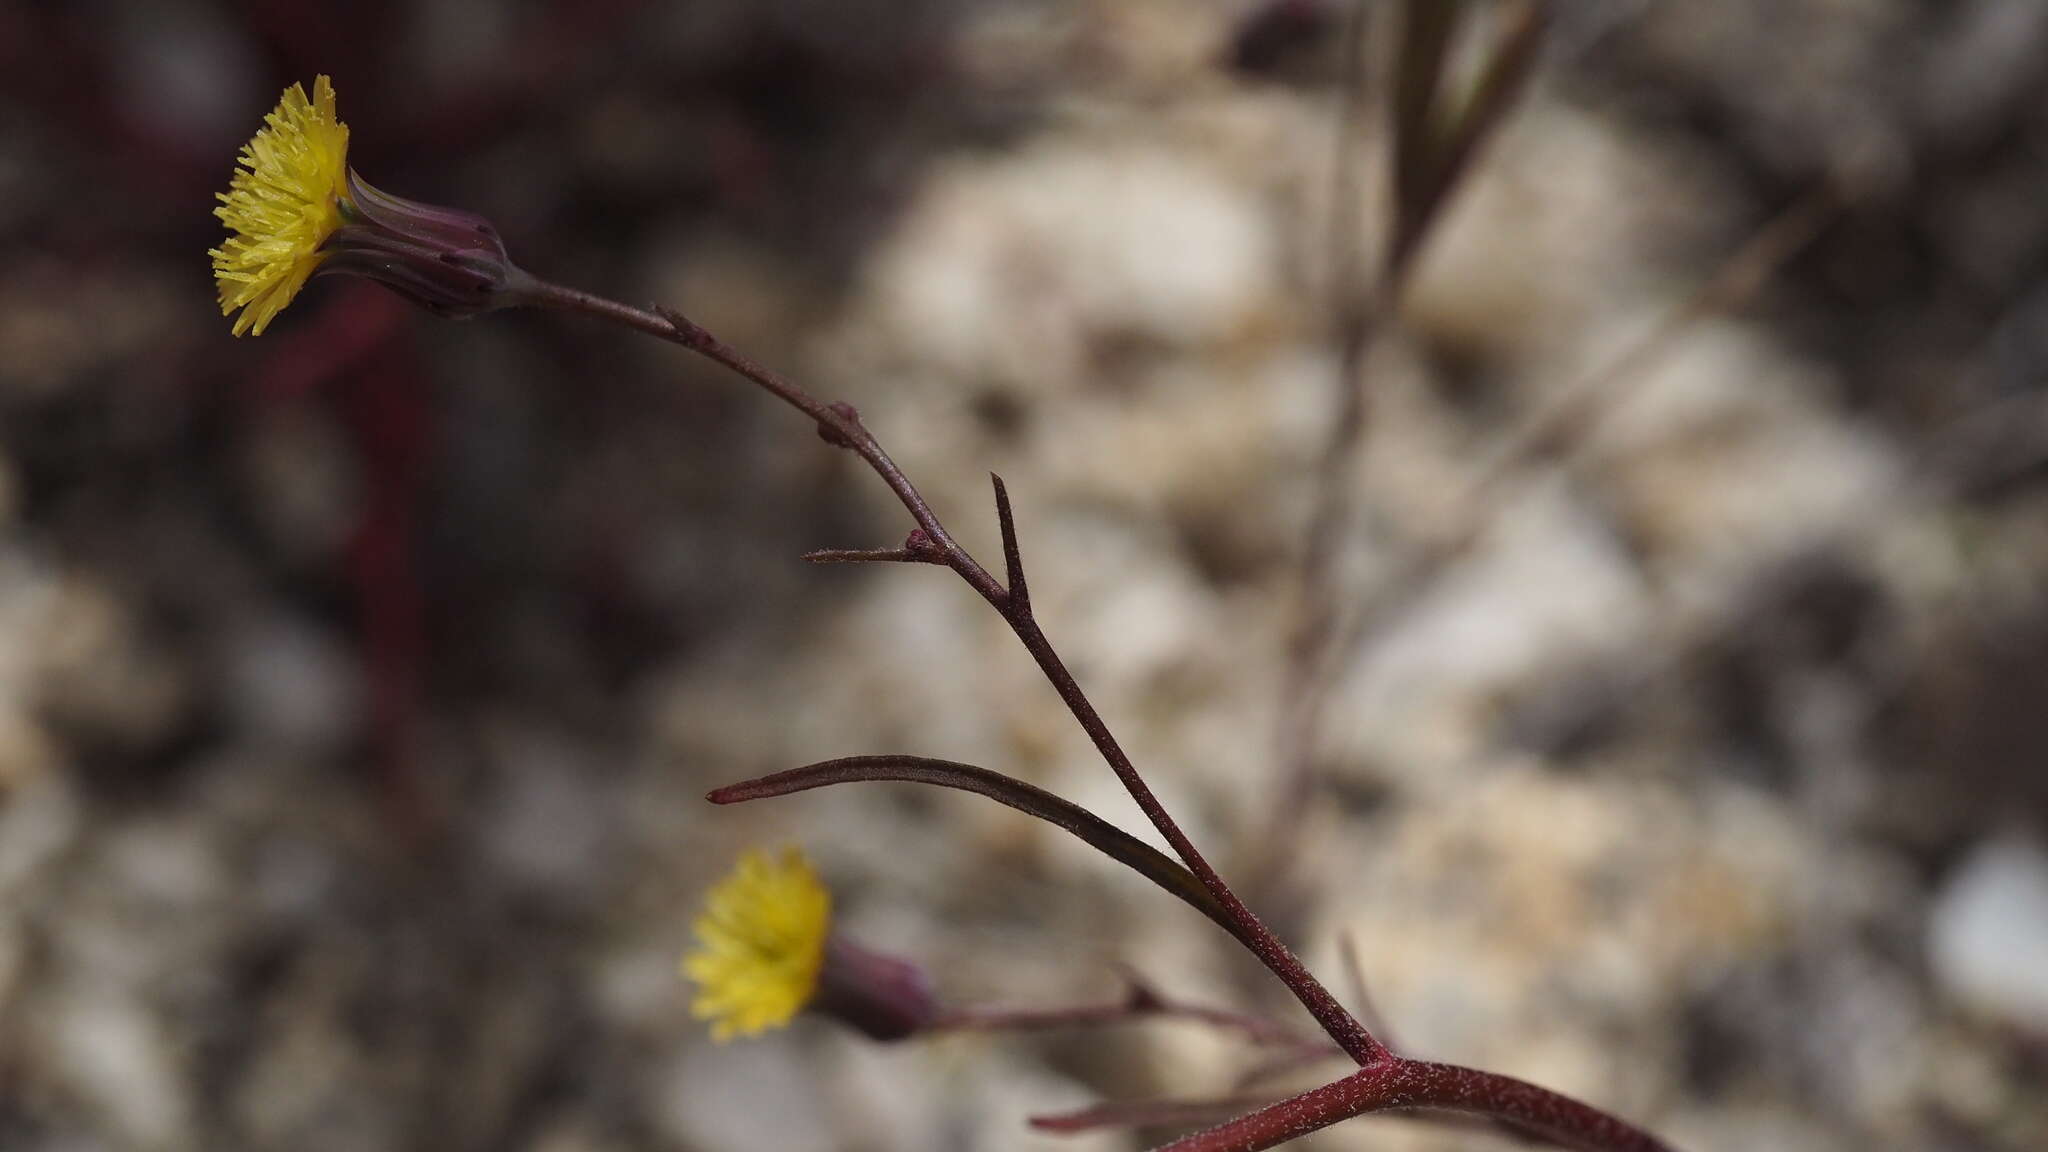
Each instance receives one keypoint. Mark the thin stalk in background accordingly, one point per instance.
(1434, 140)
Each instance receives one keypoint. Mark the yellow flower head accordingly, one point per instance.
(282, 205)
(761, 943)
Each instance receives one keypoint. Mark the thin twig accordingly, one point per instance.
(871, 556)
(841, 425)
(1354, 312)
(1141, 1002)
(1029, 799)
(1383, 1081)
(1431, 154)
(1507, 71)
(1013, 558)
(1395, 1084)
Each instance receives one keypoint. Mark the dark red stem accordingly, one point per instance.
(1384, 1081)
(1143, 1004)
(1395, 1084)
(841, 425)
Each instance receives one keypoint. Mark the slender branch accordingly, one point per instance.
(1354, 310)
(1452, 142)
(841, 425)
(1013, 558)
(1427, 27)
(1342, 1027)
(1212, 1111)
(1395, 1084)
(1384, 1082)
(1141, 1006)
(1029, 799)
(871, 556)
(1431, 152)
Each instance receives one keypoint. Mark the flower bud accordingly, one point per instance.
(448, 261)
(882, 997)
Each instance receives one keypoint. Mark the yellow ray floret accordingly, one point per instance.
(282, 205)
(761, 942)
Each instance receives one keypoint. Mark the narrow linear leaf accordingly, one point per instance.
(1093, 830)
(1500, 83)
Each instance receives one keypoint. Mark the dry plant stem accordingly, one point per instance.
(1384, 1082)
(840, 424)
(1356, 311)
(1449, 142)
(1395, 1084)
(1143, 1002)
(1085, 826)
(1177, 1113)
(872, 556)
(1259, 1031)
(1431, 153)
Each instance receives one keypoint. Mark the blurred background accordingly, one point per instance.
(360, 683)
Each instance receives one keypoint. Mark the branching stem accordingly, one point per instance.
(1383, 1081)
(840, 424)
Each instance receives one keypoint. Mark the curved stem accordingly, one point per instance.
(1086, 826)
(1384, 1082)
(840, 424)
(1396, 1084)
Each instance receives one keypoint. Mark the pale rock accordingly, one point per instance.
(886, 1095)
(1549, 925)
(305, 482)
(546, 820)
(98, 671)
(1987, 932)
(1548, 235)
(737, 1097)
(1722, 459)
(993, 1100)
(109, 1050)
(1011, 267)
(1548, 587)
(289, 682)
(29, 593)
(39, 817)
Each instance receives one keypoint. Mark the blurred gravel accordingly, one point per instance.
(359, 685)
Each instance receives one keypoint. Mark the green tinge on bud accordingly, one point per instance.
(880, 996)
(448, 261)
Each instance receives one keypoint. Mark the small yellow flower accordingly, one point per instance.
(284, 202)
(761, 943)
